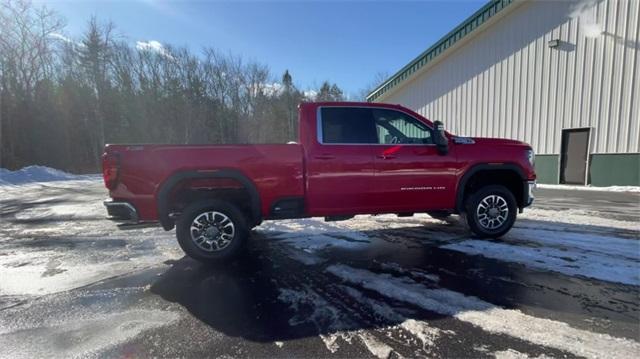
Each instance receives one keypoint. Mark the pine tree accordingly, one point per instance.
(329, 92)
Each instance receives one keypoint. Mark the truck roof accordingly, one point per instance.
(313, 105)
(351, 103)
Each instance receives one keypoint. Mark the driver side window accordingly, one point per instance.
(397, 127)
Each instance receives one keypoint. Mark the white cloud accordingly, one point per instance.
(67, 40)
(57, 36)
(153, 46)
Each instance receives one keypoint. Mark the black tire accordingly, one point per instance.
(478, 224)
(441, 215)
(226, 253)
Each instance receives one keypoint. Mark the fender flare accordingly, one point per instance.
(174, 179)
(484, 167)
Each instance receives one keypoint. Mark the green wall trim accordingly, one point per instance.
(547, 168)
(616, 169)
(465, 28)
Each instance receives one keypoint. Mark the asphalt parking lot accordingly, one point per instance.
(565, 282)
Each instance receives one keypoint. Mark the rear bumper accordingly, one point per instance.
(121, 211)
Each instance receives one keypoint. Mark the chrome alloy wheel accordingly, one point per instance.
(212, 231)
(492, 212)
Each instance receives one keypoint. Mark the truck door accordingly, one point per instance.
(410, 173)
(340, 164)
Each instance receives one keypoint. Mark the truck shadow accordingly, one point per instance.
(252, 297)
(245, 299)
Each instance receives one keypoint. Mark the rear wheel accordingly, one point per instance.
(491, 211)
(211, 231)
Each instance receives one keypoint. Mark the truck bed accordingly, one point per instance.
(276, 169)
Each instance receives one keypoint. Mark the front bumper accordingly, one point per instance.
(529, 197)
(121, 211)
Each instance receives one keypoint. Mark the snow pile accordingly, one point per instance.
(38, 174)
(635, 189)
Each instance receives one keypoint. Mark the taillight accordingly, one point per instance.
(110, 170)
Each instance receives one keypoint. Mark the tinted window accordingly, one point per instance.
(347, 125)
(397, 127)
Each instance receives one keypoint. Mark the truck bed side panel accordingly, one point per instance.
(276, 170)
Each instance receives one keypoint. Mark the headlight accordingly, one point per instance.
(531, 156)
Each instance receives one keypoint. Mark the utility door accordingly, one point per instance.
(574, 155)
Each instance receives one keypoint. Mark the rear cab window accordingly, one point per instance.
(347, 125)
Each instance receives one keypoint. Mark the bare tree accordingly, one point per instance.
(61, 99)
(377, 80)
(95, 56)
(25, 59)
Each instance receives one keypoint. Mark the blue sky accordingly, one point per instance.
(344, 42)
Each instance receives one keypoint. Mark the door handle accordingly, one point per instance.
(386, 157)
(325, 157)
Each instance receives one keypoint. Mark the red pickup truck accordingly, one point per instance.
(350, 158)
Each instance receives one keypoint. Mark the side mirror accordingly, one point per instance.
(440, 139)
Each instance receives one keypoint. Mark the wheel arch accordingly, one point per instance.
(484, 169)
(165, 189)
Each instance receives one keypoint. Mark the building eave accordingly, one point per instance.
(460, 32)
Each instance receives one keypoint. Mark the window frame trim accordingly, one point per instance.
(320, 137)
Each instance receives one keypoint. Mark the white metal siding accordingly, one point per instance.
(507, 82)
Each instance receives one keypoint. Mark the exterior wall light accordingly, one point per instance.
(553, 43)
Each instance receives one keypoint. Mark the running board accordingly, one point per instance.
(337, 218)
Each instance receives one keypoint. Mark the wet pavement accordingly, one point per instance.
(565, 282)
(616, 205)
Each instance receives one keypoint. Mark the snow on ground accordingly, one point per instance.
(489, 317)
(602, 257)
(312, 234)
(93, 322)
(569, 219)
(572, 262)
(312, 307)
(38, 174)
(566, 244)
(514, 354)
(55, 238)
(574, 243)
(635, 189)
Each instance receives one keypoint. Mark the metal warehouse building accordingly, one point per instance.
(560, 75)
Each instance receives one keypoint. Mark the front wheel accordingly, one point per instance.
(491, 211)
(211, 231)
